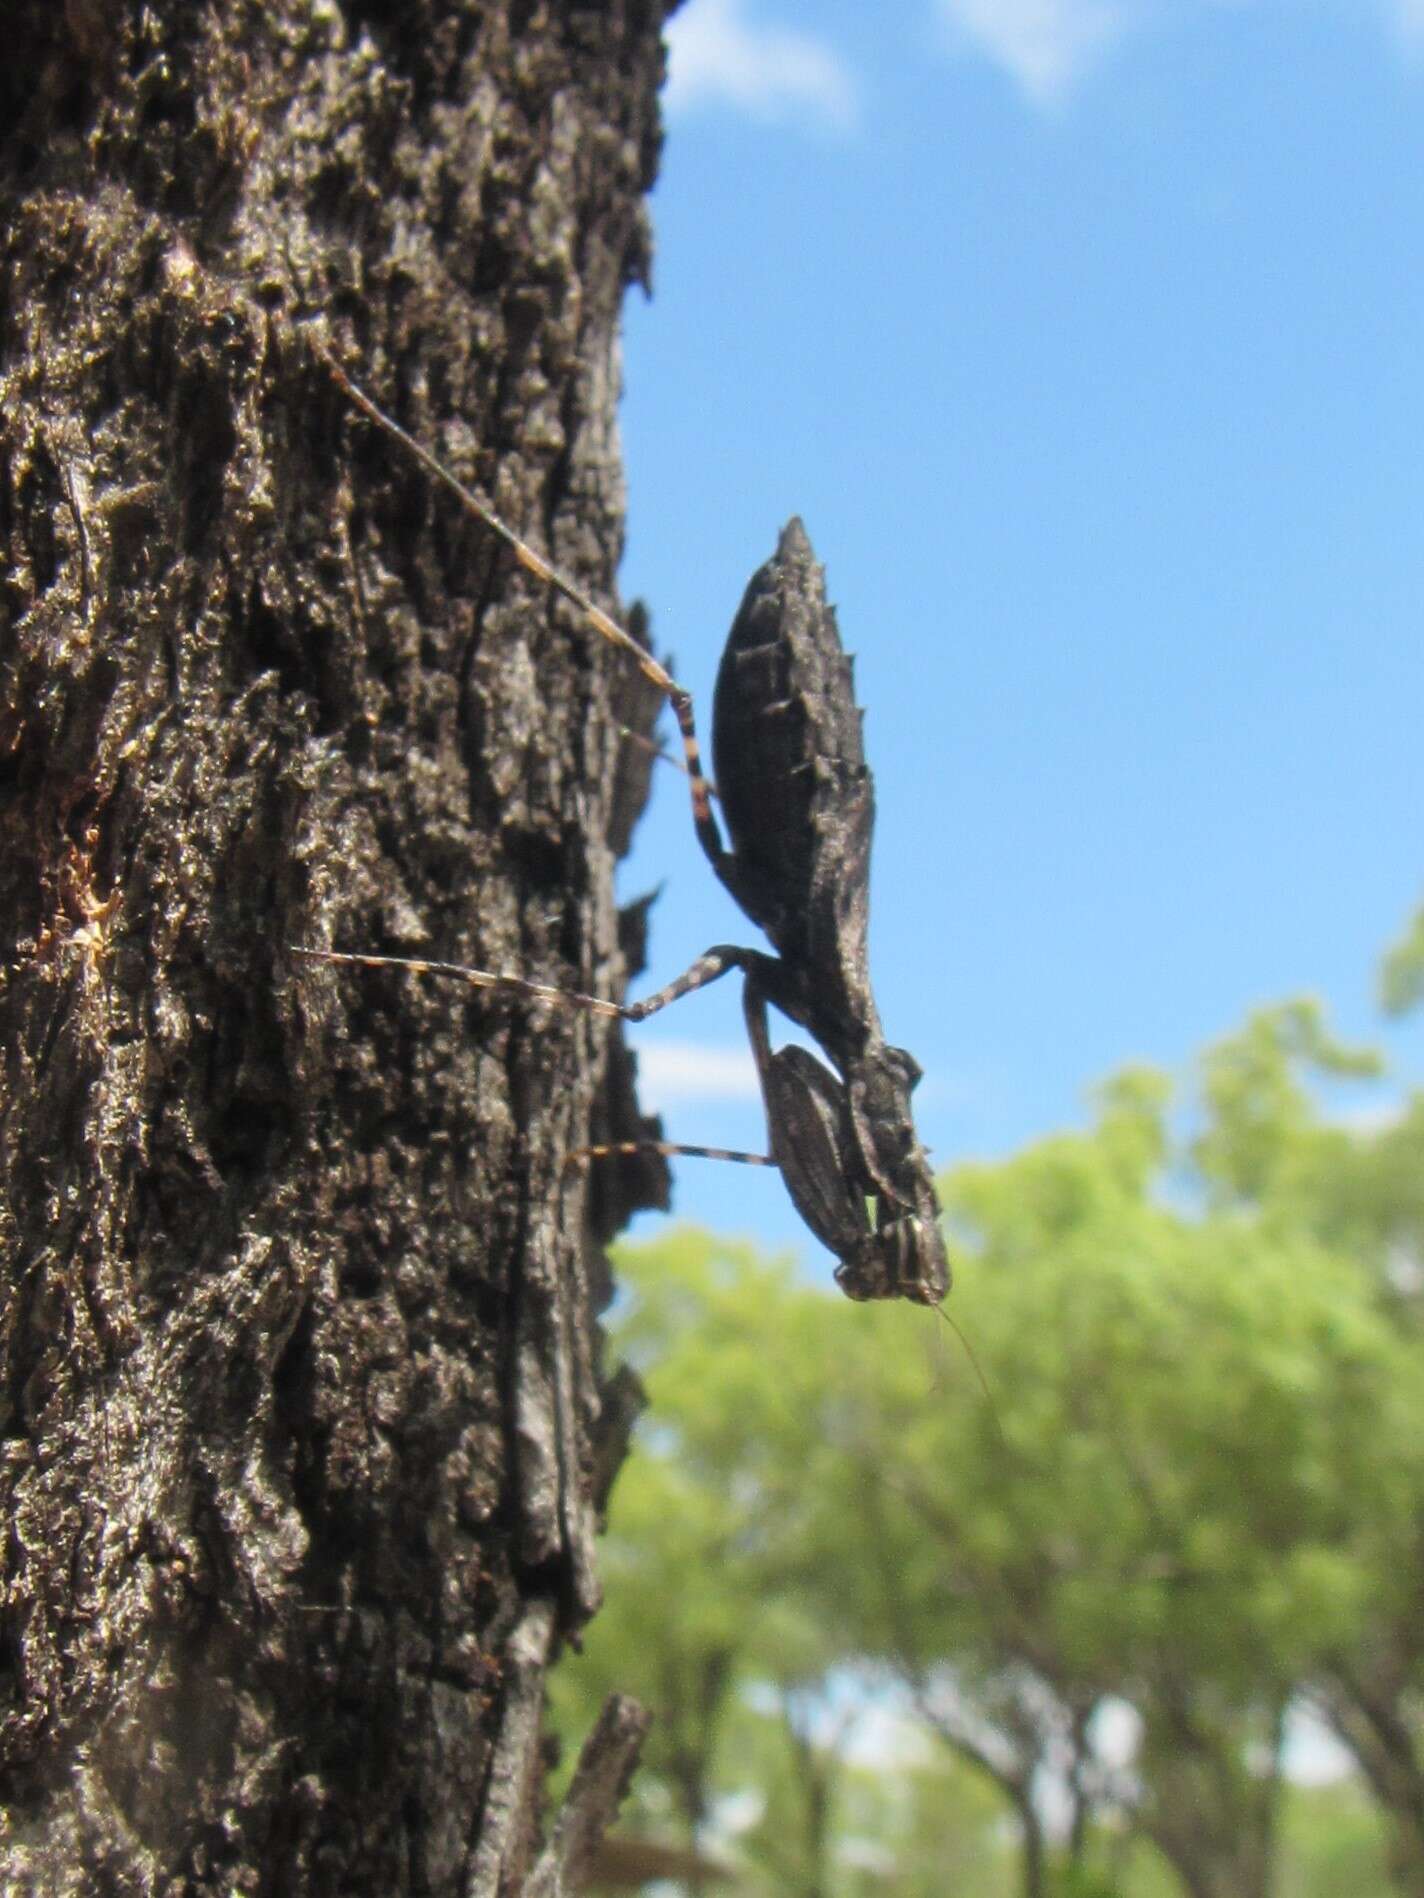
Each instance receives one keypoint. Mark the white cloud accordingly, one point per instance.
(717, 54)
(1045, 45)
(671, 1071)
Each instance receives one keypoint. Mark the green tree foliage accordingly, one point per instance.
(1194, 1501)
(1402, 973)
(1201, 1415)
(1361, 1193)
(713, 1614)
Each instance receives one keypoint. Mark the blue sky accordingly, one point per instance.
(1086, 336)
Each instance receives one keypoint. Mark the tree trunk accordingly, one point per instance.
(1370, 1714)
(1011, 1764)
(1033, 1855)
(816, 1765)
(1213, 1793)
(303, 1440)
(691, 1704)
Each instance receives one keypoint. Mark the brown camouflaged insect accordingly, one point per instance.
(798, 802)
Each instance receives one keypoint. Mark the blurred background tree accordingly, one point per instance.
(1062, 1642)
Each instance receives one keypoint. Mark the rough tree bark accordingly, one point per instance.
(303, 1439)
